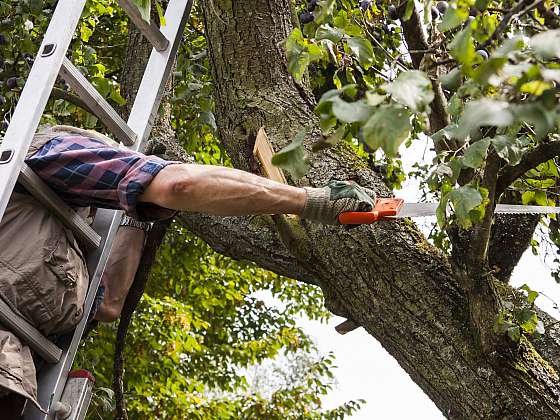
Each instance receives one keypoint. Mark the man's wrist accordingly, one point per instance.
(137, 224)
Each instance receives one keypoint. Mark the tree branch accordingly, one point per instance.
(540, 154)
(418, 47)
(517, 11)
(58, 93)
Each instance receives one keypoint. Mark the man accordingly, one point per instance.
(44, 276)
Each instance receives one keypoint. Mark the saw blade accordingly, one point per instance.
(429, 209)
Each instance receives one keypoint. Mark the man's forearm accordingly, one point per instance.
(222, 191)
(120, 271)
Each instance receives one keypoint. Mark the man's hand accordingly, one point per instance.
(323, 205)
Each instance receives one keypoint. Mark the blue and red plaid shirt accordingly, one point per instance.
(86, 172)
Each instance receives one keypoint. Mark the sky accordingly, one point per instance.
(366, 371)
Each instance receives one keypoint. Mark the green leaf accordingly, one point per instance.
(475, 154)
(464, 199)
(514, 333)
(408, 11)
(462, 47)
(300, 53)
(527, 319)
(362, 49)
(485, 71)
(451, 80)
(161, 14)
(331, 140)
(547, 44)
(531, 294)
(144, 6)
(350, 111)
(116, 96)
(293, 158)
(453, 17)
(527, 197)
(387, 128)
(481, 4)
(484, 112)
(328, 32)
(509, 148)
(538, 116)
(412, 89)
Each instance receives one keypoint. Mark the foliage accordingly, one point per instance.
(201, 328)
(519, 315)
(504, 102)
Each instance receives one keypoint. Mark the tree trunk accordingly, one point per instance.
(385, 277)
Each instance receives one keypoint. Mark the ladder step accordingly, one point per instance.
(97, 103)
(72, 220)
(29, 334)
(149, 30)
(76, 397)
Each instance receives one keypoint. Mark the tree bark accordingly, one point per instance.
(385, 277)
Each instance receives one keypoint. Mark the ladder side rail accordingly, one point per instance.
(35, 95)
(97, 103)
(149, 29)
(72, 220)
(158, 69)
(53, 377)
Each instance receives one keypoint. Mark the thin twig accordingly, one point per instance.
(517, 11)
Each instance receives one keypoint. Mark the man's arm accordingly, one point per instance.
(222, 191)
(120, 271)
(225, 192)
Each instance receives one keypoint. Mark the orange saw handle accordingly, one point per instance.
(384, 207)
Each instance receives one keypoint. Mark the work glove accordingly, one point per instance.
(323, 205)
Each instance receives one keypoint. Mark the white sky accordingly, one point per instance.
(365, 370)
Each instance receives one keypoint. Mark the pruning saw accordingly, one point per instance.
(395, 208)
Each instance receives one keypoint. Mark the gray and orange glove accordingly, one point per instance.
(324, 205)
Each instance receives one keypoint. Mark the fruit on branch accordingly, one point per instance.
(312, 5)
(365, 4)
(442, 6)
(452, 80)
(392, 11)
(483, 54)
(435, 13)
(11, 83)
(306, 17)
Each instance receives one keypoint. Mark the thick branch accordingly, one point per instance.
(386, 277)
(239, 237)
(540, 154)
(416, 41)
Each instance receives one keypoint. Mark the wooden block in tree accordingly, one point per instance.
(346, 327)
(263, 151)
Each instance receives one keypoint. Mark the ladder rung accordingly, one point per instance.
(97, 103)
(149, 30)
(29, 334)
(35, 186)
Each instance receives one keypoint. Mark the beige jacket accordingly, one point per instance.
(43, 277)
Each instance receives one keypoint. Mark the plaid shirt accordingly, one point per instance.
(86, 172)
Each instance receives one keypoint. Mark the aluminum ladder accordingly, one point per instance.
(63, 394)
